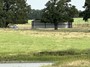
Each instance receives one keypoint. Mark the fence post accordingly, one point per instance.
(32, 24)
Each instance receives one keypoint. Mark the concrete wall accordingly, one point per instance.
(38, 24)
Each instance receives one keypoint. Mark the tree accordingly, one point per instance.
(87, 10)
(13, 11)
(58, 11)
(35, 14)
(81, 13)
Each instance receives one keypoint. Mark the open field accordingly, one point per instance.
(64, 45)
(80, 21)
(48, 40)
(30, 45)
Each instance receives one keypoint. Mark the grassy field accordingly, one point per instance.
(64, 45)
(47, 40)
(80, 21)
(29, 45)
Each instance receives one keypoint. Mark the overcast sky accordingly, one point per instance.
(39, 4)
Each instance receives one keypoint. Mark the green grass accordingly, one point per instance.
(80, 21)
(17, 45)
(22, 41)
(45, 44)
(30, 21)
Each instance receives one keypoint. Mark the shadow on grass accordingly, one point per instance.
(64, 52)
(46, 56)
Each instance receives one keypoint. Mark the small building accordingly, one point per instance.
(39, 24)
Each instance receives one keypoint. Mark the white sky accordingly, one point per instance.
(39, 4)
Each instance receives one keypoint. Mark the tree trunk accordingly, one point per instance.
(45, 24)
(6, 25)
(56, 26)
(69, 24)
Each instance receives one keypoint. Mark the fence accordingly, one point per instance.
(38, 24)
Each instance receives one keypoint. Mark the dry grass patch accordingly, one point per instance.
(56, 34)
(78, 63)
(24, 26)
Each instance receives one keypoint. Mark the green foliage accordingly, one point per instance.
(58, 11)
(13, 11)
(87, 10)
(81, 13)
(35, 14)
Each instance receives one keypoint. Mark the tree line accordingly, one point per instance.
(18, 12)
(35, 14)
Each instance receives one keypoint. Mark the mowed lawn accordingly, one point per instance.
(33, 41)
